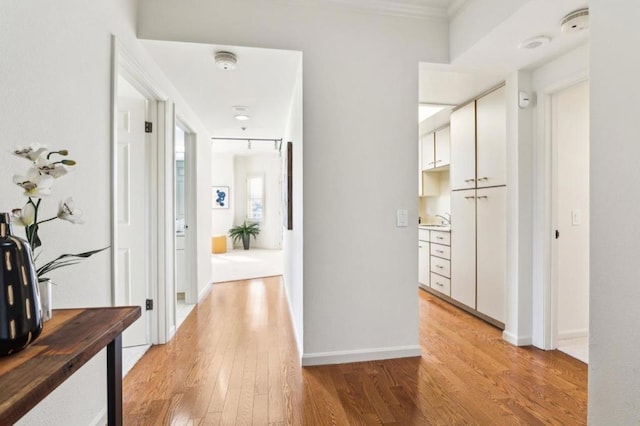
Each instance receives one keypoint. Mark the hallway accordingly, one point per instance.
(234, 361)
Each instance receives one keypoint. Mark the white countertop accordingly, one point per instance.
(442, 228)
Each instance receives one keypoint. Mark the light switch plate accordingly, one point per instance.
(576, 217)
(402, 218)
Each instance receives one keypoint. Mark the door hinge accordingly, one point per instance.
(148, 127)
(557, 234)
(149, 304)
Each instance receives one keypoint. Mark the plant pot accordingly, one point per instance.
(245, 241)
(46, 301)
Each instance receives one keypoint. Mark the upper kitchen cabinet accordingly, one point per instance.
(463, 147)
(478, 142)
(428, 154)
(491, 139)
(442, 146)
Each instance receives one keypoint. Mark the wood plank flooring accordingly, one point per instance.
(234, 362)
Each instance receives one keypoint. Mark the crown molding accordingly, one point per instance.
(401, 8)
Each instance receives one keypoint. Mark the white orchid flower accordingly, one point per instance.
(34, 184)
(67, 211)
(46, 167)
(25, 216)
(32, 152)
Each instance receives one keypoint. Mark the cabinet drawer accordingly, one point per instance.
(423, 234)
(441, 237)
(441, 266)
(441, 284)
(441, 251)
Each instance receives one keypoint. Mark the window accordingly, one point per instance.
(255, 198)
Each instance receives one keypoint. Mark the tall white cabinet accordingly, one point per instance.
(478, 205)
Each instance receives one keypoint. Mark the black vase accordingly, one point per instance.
(20, 314)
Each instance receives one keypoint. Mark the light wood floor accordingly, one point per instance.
(234, 361)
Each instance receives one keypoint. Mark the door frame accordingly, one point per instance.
(545, 251)
(123, 64)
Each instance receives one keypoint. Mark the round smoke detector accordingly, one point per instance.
(576, 21)
(226, 60)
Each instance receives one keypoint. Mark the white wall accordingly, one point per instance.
(55, 78)
(614, 365)
(222, 174)
(570, 137)
(267, 165)
(360, 138)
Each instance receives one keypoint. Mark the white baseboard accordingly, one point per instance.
(101, 419)
(516, 340)
(296, 335)
(573, 334)
(374, 354)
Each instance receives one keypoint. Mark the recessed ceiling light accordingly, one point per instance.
(241, 117)
(534, 43)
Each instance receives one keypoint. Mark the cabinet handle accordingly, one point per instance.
(483, 178)
(439, 251)
(469, 180)
(430, 162)
(440, 238)
(438, 161)
(482, 197)
(470, 197)
(440, 266)
(441, 285)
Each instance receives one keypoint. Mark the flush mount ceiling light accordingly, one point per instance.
(240, 112)
(534, 42)
(576, 21)
(226, 60)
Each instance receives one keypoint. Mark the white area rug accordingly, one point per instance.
(246, 264)
(577, 348)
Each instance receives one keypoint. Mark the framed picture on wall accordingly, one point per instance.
(220, 196)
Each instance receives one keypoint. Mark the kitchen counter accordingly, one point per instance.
(441, 228)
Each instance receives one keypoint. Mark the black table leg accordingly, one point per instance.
(114, 382)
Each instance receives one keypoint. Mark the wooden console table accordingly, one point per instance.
(70, 339)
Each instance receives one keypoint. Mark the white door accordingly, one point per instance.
(132, 282)
(570, 139)
(491, 144)
(463, 247)
(491, 256)
(463, 147)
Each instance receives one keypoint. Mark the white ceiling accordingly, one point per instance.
(264, 79)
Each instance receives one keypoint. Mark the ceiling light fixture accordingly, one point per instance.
(226, 60)
(534, 43)
(241, 117)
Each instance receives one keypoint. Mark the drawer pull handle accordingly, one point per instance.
(440, 238)
(469, 180)
(440, 266)
(441, 285)
(470, 197)
(482, 197)
(439, 251)
(483, 178)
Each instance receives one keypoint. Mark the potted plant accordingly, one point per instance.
(244, 232)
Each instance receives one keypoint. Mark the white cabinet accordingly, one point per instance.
(180, 264)
(440, 262)
(491, 211)
(423, 263)
(491, 139)
(428, 159)
(463, 147)
(442, 147)
(463, 247)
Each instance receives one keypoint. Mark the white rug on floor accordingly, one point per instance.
(246, 264)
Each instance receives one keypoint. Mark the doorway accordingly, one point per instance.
(570, 218)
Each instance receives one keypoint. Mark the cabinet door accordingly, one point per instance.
(491, 146)
(443, 156)
(463, 247)
(463, 147)
(423, 263)
(428, 151)
(492, 252)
